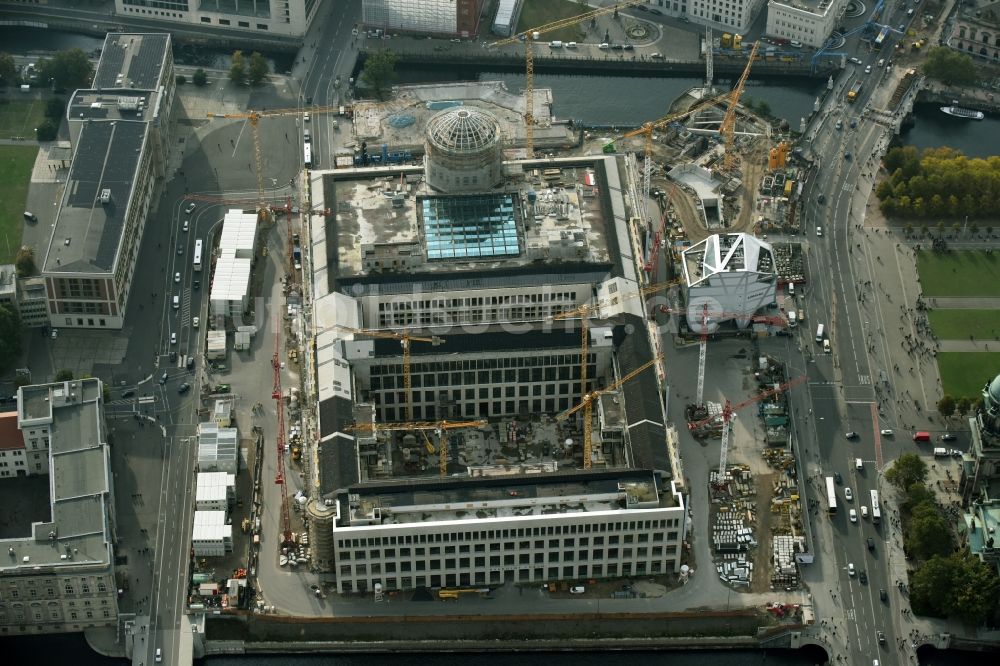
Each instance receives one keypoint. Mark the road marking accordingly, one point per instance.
(877, 437)
(847, 187)
(864, 380)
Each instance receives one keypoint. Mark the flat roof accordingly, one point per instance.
(11, 438)
(79, 478)
(818, 7)
(87, 231)
(132, 60)
(133, 105)
(231, 280)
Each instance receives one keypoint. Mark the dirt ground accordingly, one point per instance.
(765, 519)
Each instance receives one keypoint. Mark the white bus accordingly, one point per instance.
(819, 333)
(197, 255)
(831, 495)
(876, 511)
(307, 155)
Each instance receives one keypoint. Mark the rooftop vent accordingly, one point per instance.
(106, 195)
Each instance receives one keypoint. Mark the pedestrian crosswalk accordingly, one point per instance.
(864, 379)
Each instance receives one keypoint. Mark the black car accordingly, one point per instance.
(947, 437)
(128, 393)
(173, 357)
(183, 388)
(629, 47)
(190, 363)
(881, 637)
(883, 595)
(851, 435)
(821, 198)
(871, 544)
(863, 577)
(180, 249)
(654, 10)
(197, 284)
(838, 478)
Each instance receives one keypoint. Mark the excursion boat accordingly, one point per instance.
(959, 112)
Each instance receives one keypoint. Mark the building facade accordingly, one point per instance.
(728, 15)
(289, 18)
(440, 17)
(976, 32)
(58, 575)
(504, 537)
(810, 23)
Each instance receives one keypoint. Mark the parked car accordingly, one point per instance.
(577, 589)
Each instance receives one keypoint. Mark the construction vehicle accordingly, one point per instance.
(729, 411)
(440, 427)
(528, 37)
(586, 404)
(728, 127)
(404, 339)
(852, 94)
(453, 593)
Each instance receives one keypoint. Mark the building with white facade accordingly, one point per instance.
(729, 277)
(218, 449)
(437, 17)
(289, 18)
(729, 16)
(214, 491)
(212, 535)
(975, 30)
(810, 22)
(230, 292)
(57, 574)
(505, 20)
(118, 131)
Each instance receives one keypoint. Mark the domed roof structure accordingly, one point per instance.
(463, 130)
(993, 390)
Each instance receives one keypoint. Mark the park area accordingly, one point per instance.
(959, 274)
(19, 116)
(962, 324)
(963, 374)
(16, 163)
(536, 13)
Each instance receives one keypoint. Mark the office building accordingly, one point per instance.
(119, 134)
(232, 18)
(810, 22)
(723, 15)
(975, 31)
(57, 573)
(460, 18)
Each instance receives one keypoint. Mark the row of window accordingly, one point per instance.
(984, 37)
(484, 378)
(467, 364)
(538, 545)
(498, 576)
(478, 301)
(31, 587)
(204, 19)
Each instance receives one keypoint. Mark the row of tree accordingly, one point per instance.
(950, 66)
(948, 406)
(66, 70)
(939, 182)
(949, 582)
(250, 71)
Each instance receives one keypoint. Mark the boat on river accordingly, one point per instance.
(959, 112)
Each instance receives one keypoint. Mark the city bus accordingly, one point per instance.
(197, 255)
(831, 495)
(307, 155)
(876, 510)
(880, 39)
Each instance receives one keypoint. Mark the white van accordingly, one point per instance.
(864, 512)
(555, 45)
(791, 288)
(819, 333)
(177, 302)
(858, 463)
(909, 12)
(792, 319)
(571, 45)
(604, 47)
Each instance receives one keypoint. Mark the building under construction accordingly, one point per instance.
(490, 406)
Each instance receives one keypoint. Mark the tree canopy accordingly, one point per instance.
(939, 183)
(47, 130)
(946, 405)
(8, 70)
(945, 64)
(906, 471)
(200, 78)
(66, 69)
(10, 337)
(238, 69)
(24, 262)
(379, 71)
(958, 586)
(928, 533)
(258, 69)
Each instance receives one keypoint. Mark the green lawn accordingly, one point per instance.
(537, 13)
(20, 116)
(16, 163)
(960, 324)
(972, 273)
(965, 373)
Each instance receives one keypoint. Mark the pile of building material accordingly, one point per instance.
(733, 537)
(789, 262)
(784, 569)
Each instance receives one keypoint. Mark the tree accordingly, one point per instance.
(64, 375)
(238, 70)
(952, 67)
(958, 586)
(10, 336)
(54, 109)
(8, 70)
(963, 405)
(180, 79)
(66, 69)
(930, 586)
(946, 405)
(379, 71)
(24, 262)
(928, 533)
(907, 470)
(47, 131)
(200, 78)
(258, 70)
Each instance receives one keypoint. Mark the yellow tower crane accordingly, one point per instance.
(585, 312)
(404, 339)
(438, 426)
(728, 127)
(587, 405)
(529, 37)
(254, 118)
